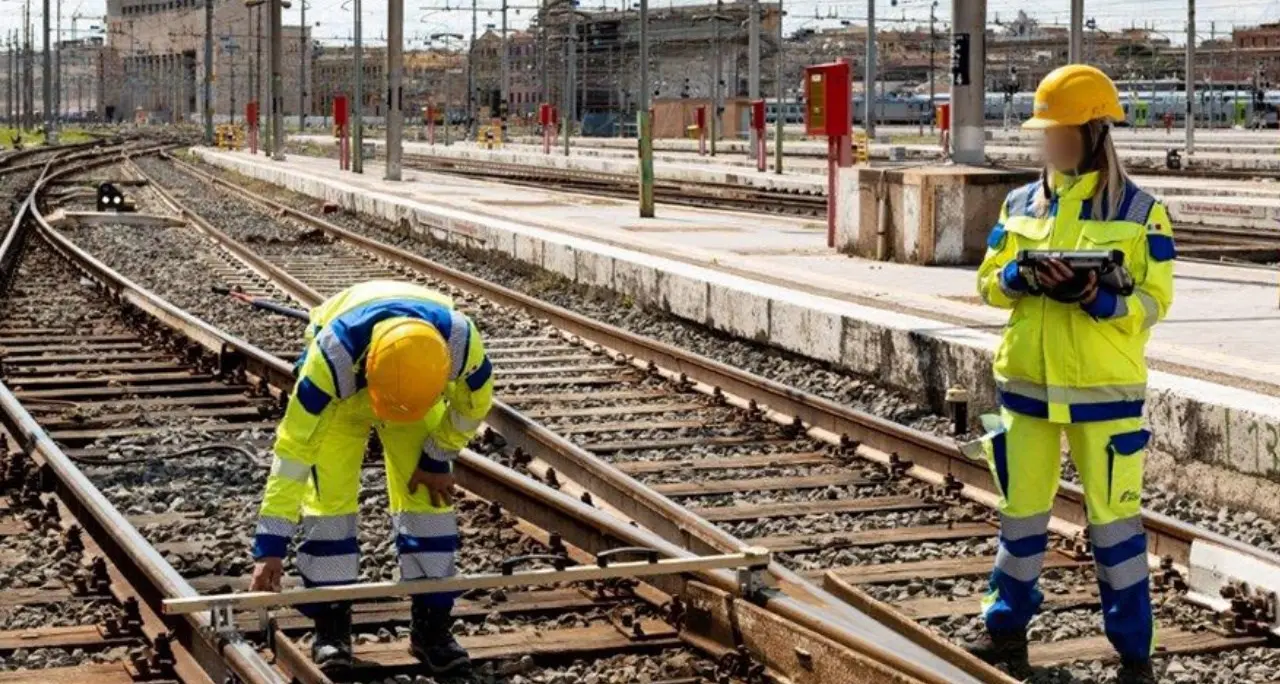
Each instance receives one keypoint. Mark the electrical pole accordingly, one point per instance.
(57, 66)
(47, 77)
(357, 100)
(303, 52)
(395, 69)
(933, 50)
(779, 115)
(472, 114)
(869, 83)
(504, 100)
(208, 73)
(715, 78)
(1075, 49)
(753, 67)
(968, 80)
(1190, 77)
(231, 113)
(277, 80)
(644, 124)
(250, 94)
(571, 62)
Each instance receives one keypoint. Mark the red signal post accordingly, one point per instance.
(548, 117)
(757, 124)
(826, 112)
(251, 116)
(700, 118)
(341, 123)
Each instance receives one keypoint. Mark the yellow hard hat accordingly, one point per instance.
(407, 368)
(1073, 95)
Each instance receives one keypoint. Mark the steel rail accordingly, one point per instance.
(201, 655)
(777, 636)
(905, 649)
(931, 458)
(875, 437)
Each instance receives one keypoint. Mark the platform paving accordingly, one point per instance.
(1214, 397)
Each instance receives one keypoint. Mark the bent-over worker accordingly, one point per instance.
(1072, 360)
(396, 358)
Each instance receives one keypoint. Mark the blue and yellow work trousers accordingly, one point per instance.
(426, 536)
(1025, 454)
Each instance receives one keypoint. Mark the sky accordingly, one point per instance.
(331, 19)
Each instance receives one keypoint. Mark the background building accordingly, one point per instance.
(156, 59)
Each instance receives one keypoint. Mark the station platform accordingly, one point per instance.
(1216, 370)
(1194, 201)
(722, 169)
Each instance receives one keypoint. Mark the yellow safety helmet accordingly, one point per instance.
(407, 369)
(1073, 95)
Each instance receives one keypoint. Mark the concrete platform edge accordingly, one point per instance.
(1192, 420)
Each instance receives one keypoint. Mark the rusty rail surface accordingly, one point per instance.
(797, 640)
(918, 454)
(822, 611)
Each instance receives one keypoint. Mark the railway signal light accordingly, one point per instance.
(111, 199)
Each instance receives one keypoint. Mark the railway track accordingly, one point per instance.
(707, 195)
(893, 521)
(1201, 242)
(151, 427)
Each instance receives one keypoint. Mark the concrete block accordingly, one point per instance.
(1212, 434)
(638, 281)
(1243, 440)
(744, 314)
(911, 228)
(594, 269)
(861, 352)
(528, 249)
(558, 258)
(684, 296)
(848, 208)
(816, 333)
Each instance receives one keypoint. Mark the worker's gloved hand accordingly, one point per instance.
(1116, 280)
(1059, 282)
(439, 486)
(267, 574)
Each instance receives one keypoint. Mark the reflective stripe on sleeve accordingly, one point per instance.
(462, 423)
(341, 365)
(459, 341)
(1150, 309)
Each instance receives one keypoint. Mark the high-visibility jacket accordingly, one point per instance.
(332, 371)
(1070, 363)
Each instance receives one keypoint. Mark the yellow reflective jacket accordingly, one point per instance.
(1066, 362)
(332, 370)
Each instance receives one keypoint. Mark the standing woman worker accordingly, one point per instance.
(1072, 360)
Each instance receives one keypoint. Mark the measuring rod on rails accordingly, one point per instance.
(751, 564)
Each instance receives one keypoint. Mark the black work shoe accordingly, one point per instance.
(331, 651)
(1136, 672)
(1003, 648)
(431, 642)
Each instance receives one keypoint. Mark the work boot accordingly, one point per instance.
(431, 641)
(1136, 672)
(1003, 648)
(331, 651)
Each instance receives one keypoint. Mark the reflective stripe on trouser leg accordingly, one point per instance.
(1014, 597)
(1109, 458)
(329, 555)
(1025, 462)
(426, 535)
(1120, 556)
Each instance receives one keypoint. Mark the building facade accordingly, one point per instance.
(155, 59)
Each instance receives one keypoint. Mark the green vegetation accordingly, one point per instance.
(36, 137)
